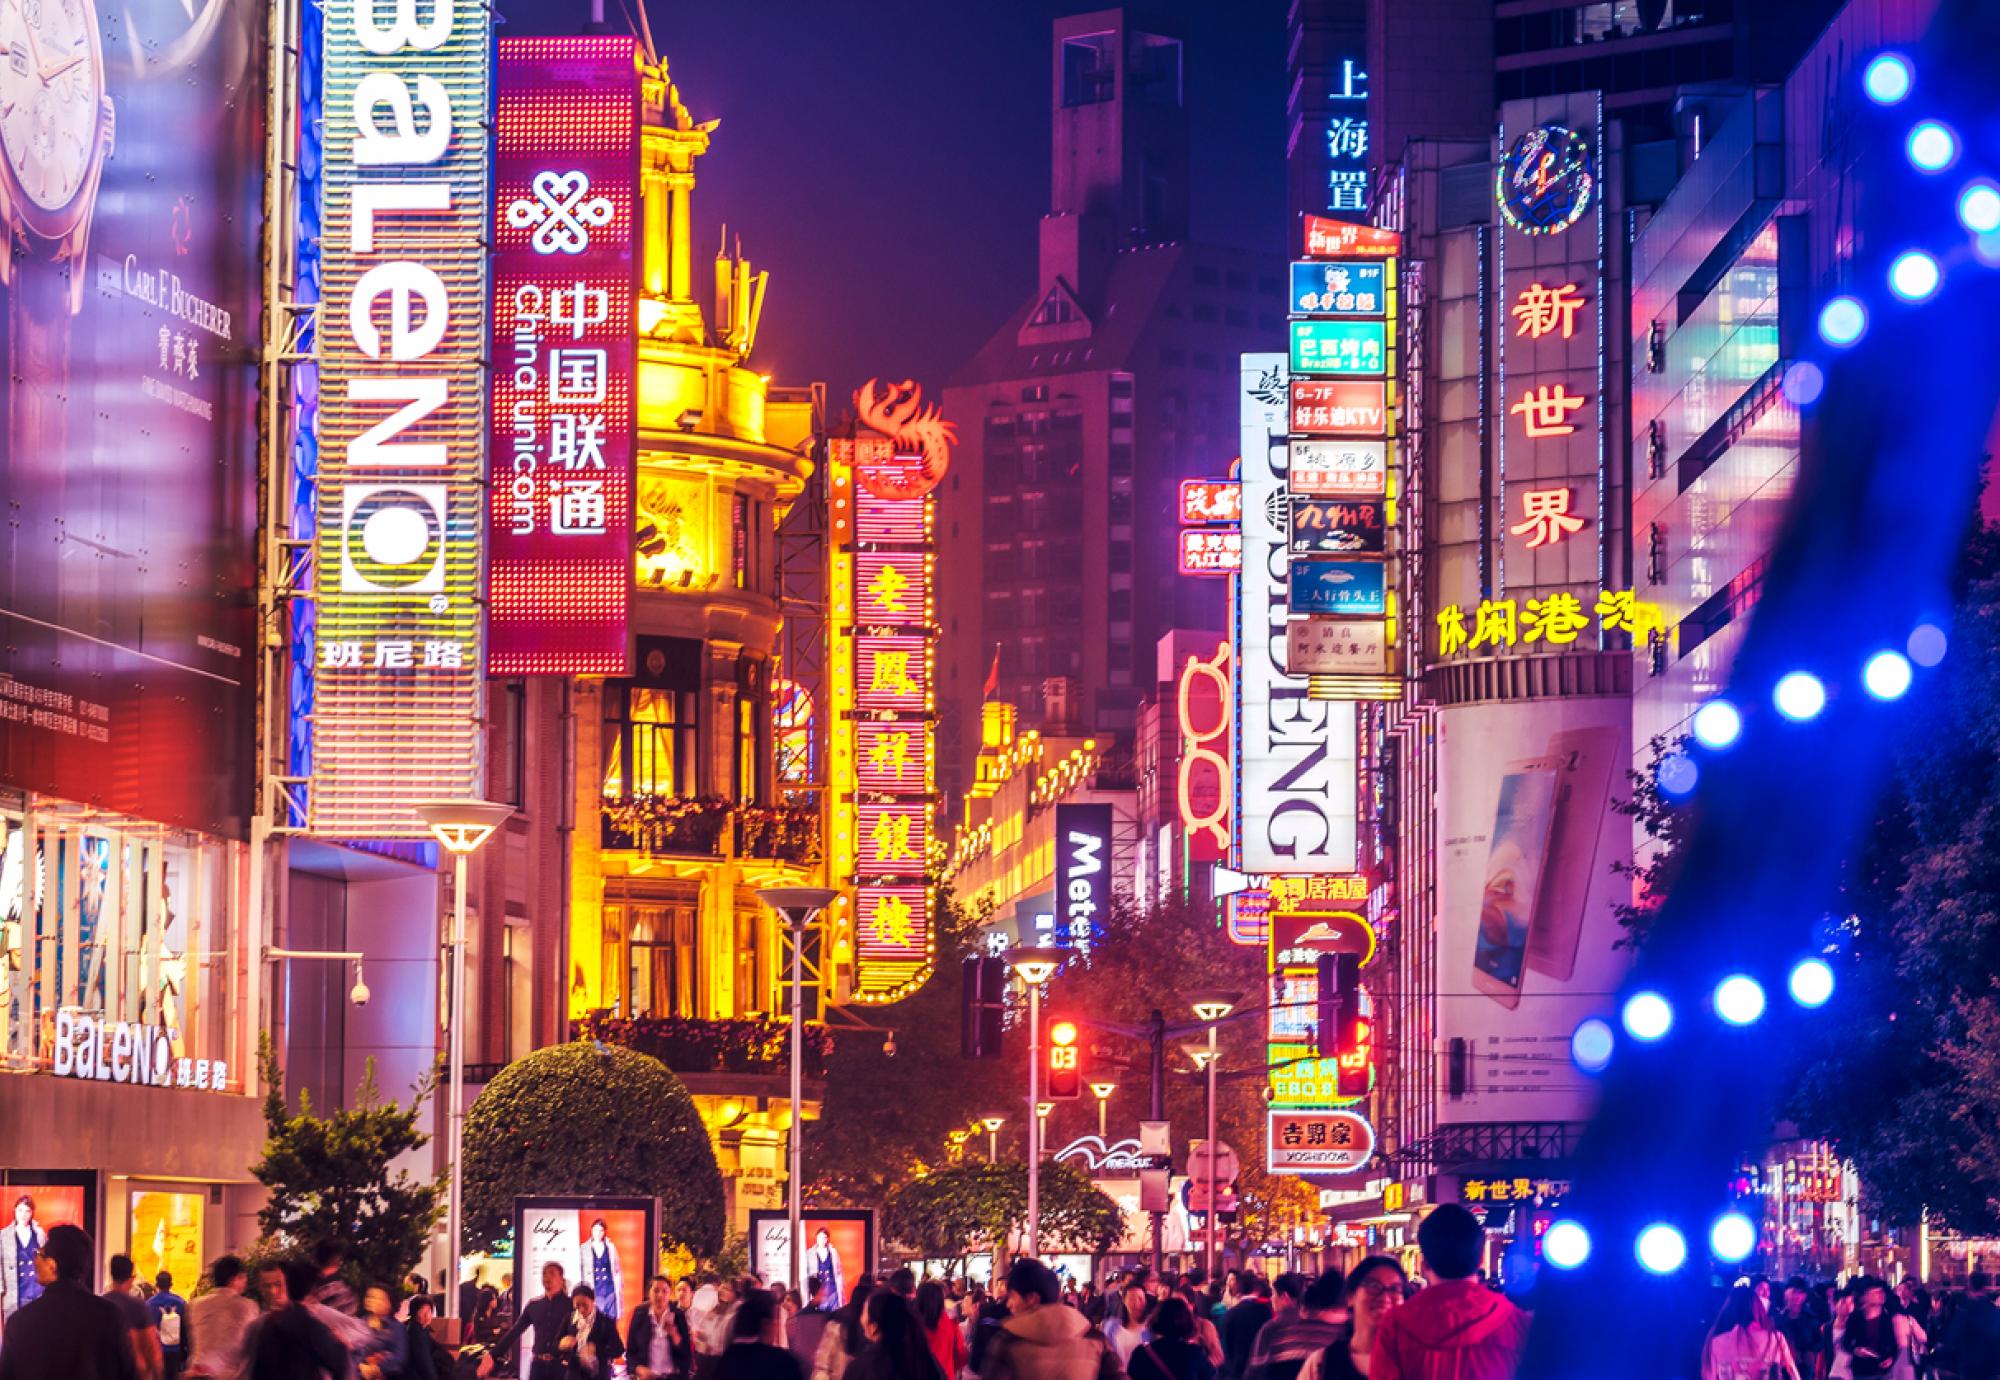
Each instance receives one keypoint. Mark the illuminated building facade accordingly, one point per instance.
(1113, 381)
(1008, 848)
(1181, 768)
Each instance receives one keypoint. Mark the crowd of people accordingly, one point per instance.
(300, 1319)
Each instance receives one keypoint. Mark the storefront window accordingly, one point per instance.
(650, 947)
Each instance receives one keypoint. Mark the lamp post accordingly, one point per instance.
(993, 1123)
(1036, 966)
(1102, 1092)
(1042, 1110)
(1209, 1008)
(798, 904)
(461, 826)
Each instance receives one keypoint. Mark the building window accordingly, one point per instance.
(1088, 69)
(1034, 392)
(650, 737)
(1206, 276)
(739, 539)
(1239, 281)
(1121, 557)
(509, 765)
(1121, 457)
(651, 959)
(746, 749)
(752, 992)
(1120, 605)
(1155, 67)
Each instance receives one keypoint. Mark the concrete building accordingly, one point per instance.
(1112, 382)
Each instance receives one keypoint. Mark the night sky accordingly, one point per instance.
(887, 160)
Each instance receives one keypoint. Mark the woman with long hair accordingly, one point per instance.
(1743, 1345)
(1374, 1289)
(941, 1329)
(1173, 1352)
(843, 1339)
(897, 1348)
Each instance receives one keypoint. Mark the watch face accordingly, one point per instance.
(51, 88)
(1545, 182)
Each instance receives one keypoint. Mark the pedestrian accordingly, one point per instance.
(941, 1330)
(897, 1348)
(1973, 1341)
(141, 1334)
(1916, 1301)
(754, 1352)
(329, 1289)
(1043, 1338)
(290, 1341)
(218, 1322)
(657, 1345)
(62, 1331)
(1374, 1290)
(904, 1282)
(1205, 1332)
(1742, 1346)
(986, 1322)
(385, 1351)
(1244, 1321)
(591, 1344)
(1878, 1342)
(423, 1357)
(548, 1321)
(1174, 1351)
(1800, 1325)
(1290, 1338)
(1125, 1323)
(169, 1311)
(807, 1326)
(1456, 1327)
(844, 1337)
(471, 1301)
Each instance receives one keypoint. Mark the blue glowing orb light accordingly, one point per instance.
(1888, 78)
(1927, 645)
(1842, 321)
(1979, 208)
(1739, 999)
(1566, 1244)
(1887, 675)
(1662, 1249)
(1732, 1238)
(1678, 774)
(1717, 724)
(1914, 276)
(1799, 696)
(1591, 1044)
(1811, 982)
(1647, 1016)
(1932, 146)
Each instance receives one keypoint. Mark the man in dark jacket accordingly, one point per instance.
(1972, 1343)
(548, 1318)
(1044, 1338)
(1242, 1323)
(288, 1342)
(1287, 1340)
(68, 1333)
(1457, 1328)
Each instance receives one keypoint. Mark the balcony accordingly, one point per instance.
(701, 827)
(692, 1048)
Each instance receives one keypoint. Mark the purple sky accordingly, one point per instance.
(887, 160)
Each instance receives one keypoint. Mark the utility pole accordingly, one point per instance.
(1158, 1111)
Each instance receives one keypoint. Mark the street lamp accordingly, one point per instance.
(461, 826)
(798, 904)
(1209, 1008)
(993, 1123)
(1035, 966)
(1102, 1092)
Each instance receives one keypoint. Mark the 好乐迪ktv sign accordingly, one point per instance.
(1295, 755)
(402, 336)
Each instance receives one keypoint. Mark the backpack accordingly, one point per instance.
(170, 1327)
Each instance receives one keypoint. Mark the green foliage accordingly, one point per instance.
(1906, 1080)
(943, 1214)
(330, 1176)
(885, 1117)
(590, 1118)
(1667, 825)
(733, 1259)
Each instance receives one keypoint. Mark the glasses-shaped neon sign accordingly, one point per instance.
(1204, 730)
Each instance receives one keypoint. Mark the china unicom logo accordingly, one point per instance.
(562, 211)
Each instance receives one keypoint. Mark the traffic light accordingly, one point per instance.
(1065, 1061)
(983, 1001)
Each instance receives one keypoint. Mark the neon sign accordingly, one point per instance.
(1201, 697)
(1542, 310)
(1340, 407)
(1545, 517)
(1211, 500)
(1545, 411)
(399, 670)
(920, 436)
(1344, 239)
(566, 185)
(1545, 182)
(1555, 621)
(1340, 347)
(1205, 551)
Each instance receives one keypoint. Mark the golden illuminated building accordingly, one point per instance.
(678, 818)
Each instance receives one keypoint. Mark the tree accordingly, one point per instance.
(1667, 823)
(945, 1213)
(329, 1177)
(885, 1117)
(590, 1118)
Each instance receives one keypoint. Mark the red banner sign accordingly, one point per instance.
(1340, 407)
(1341, 239)
(1211, 500)
(566, 183)
(1211, 552)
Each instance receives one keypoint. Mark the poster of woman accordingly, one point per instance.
(602, 1269)
(823, 1264)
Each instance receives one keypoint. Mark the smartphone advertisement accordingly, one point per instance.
(1527, 935)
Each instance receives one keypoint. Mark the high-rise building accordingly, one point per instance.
(1112, 381)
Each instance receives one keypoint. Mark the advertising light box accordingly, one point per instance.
(1340, 347)
(1340, 407)
(1321, 288)
(1334, 586)
(1337, 526)
(1329, 646)
(1339, 469)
